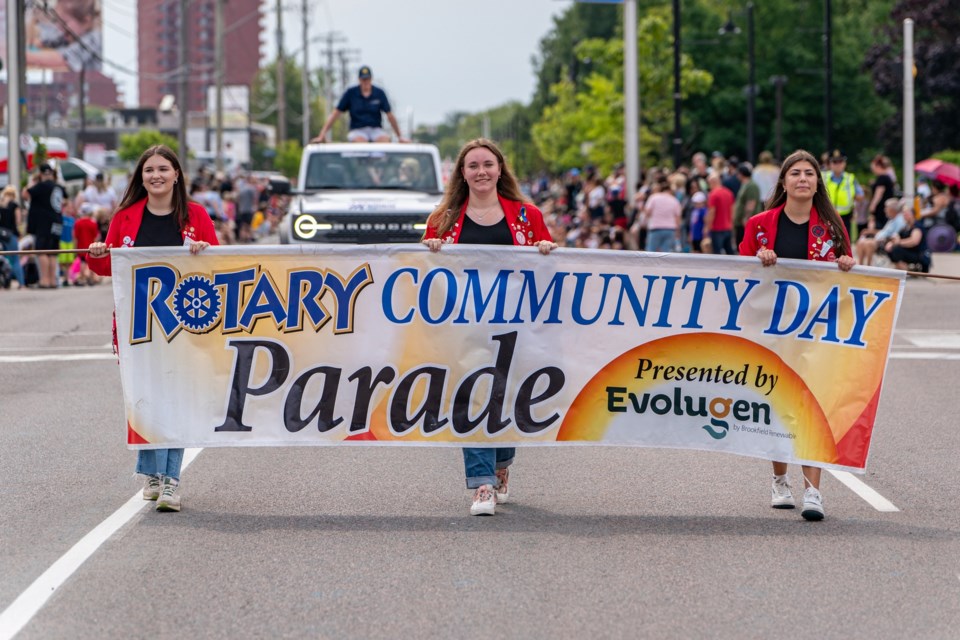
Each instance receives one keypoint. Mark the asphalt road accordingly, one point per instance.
(377, 542)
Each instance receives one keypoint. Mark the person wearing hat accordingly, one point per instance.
(842, 187)
(366, 103)
(45, 221)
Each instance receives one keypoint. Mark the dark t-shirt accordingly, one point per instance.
(46, 203)
(8, 217)
(791, 239)
(886, 183)
(364, 111)
(474, 233)
(158, 231)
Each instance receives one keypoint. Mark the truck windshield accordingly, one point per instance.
(371, 170)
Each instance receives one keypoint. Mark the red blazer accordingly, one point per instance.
(761, 233)
(126, 224)
(525, 222)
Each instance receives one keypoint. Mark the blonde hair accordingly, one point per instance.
(8, 194)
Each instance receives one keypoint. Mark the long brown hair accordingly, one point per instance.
(821, 201)
(457, 191)
(136, 191)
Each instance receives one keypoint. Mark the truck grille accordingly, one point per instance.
(358, 228)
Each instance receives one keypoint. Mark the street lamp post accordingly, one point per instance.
(751, 91)
(778, 82)
(828, 75)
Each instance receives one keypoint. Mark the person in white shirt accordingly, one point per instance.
(871, 240)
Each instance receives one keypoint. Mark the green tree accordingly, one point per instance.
(557, 59)
(132, 145)
(287, 160)
(586, 125)
(937, 63)
(263, 100)
(788, 42)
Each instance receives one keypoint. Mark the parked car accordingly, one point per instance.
(73, 173)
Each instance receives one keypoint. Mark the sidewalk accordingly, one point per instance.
(946, 264)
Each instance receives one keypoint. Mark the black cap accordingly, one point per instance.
(837, 156)
(46, 168)
(365, 73)
(745, 169)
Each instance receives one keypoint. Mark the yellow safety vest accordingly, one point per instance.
(842, 194)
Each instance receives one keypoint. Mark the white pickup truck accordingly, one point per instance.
(363, 193)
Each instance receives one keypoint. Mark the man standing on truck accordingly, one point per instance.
(365, 102)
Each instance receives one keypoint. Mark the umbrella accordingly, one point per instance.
(945, 172)
(941, 237)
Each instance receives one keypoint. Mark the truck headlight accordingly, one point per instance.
(306, 227)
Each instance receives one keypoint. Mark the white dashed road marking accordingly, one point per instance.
(28, 603)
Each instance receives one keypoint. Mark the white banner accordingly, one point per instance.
(494, 346)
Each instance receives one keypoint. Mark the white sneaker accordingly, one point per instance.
(812, 505)
(780, 495)
(503, 489)
(169, 499)
(484, 501)
(151, 488)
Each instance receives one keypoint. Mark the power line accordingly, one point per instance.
(94, 55)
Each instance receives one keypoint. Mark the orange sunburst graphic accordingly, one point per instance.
(133, 437)
(791, 402)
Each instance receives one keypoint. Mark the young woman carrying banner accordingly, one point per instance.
(800, 223)
(482, 204)
(155, 212)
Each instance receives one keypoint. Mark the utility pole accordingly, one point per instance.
(751, 88)
(281, 79)
(218, 72)
(14, 72)
(305, 77)
(677, 95)
(184, 73)
(345, 56)
(332, 37)
(631, 120)
(909, 124)
(82, 95)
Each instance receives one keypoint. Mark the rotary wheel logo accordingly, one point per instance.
(197, 304)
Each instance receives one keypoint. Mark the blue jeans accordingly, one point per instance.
(661, 240)
(12, 244)
(481, 464)
(722, 242)
(160, 462)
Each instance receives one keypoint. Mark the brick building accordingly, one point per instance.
(158, 33)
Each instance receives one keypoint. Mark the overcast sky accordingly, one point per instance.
(431, 56)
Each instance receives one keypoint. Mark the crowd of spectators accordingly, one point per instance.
(702, 207)
(242, 206)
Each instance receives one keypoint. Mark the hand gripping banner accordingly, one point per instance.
(494, 346)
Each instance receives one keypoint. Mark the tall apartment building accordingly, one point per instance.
(158, 32)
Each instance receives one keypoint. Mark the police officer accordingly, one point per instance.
(842, 187)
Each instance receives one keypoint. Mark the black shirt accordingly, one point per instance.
(46, 202)
(474, 233)
(8, 217)
(791, 239)
(885, 183)
(158, 231)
